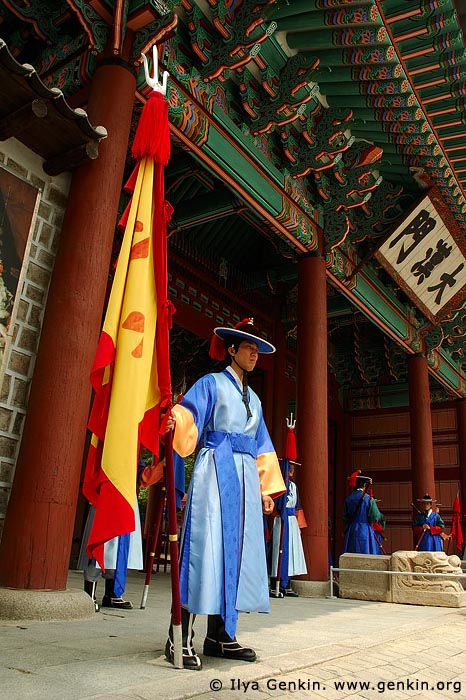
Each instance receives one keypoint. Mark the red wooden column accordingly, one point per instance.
(422, 447)
(312, 425)
(343, 470)
(36, 543)
(280, 395)
(461, 422)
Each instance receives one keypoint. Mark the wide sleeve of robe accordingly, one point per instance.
(193, 413)
(270, 475)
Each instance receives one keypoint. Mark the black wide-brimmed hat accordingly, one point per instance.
(245, 330)
(427, 499)
(356, 479)
(360, 480)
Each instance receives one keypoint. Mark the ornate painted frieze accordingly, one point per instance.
(374, 216)
(45, 17)
(342, 267)
(276, 101)
(347, 185)
(395, 360)
(231, 39)
(321, 139)
(351, 15)
(154, 33)
(291, 217)
(190, 120)
(96, 28)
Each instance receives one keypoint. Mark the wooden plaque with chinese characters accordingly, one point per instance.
(426, 261)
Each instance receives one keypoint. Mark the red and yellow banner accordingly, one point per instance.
(131, 371)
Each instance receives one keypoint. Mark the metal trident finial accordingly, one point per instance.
(290, 422)
(153, 82)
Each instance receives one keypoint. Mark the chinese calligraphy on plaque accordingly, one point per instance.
(423, 257)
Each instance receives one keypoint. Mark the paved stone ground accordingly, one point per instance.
(309, 648)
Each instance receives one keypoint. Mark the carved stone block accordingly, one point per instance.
(404, 588)
(427, 590)
(365, 586)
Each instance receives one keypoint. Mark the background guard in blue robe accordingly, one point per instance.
(428, 527)
(120, 554)
(286, 535)
(359, 512)
(236, 474)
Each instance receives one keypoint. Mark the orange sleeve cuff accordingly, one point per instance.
(186, 433)
(301, 518)
(270, 476)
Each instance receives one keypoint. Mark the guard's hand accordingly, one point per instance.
(267, 505)
(171, 422)
(426, 526)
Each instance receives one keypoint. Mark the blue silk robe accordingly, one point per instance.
(296, 560)
(222, 562)
(431, 540)
(358, 516)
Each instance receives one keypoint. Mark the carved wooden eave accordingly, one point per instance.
(117, 26)
(42, 119)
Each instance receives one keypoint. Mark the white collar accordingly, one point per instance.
(235, 376)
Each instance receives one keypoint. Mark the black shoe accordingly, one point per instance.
(273, 593)
(119, 603)
(289, 592)
(191, 660)
(228, 650)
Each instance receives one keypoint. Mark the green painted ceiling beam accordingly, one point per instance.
(413, 10)
(323, 39)
(304, 7)
(448, 123)
(449, 39)
(363, 74)
(215, 205)
(338, 305)
(362, 88)
(339, 56)
(389, 101)
(435, 60)
(316, 22)
(446, 371)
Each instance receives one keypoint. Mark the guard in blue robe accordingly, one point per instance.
(359, 512)
(286, 535)
(236, 475)
(428, 527)
(120, 554)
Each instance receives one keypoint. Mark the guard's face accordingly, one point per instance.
(247, 355)
(427, 505)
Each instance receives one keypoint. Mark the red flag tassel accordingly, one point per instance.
(290, 446)
(152, 136)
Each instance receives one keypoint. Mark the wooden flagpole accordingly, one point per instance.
(174, 551)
